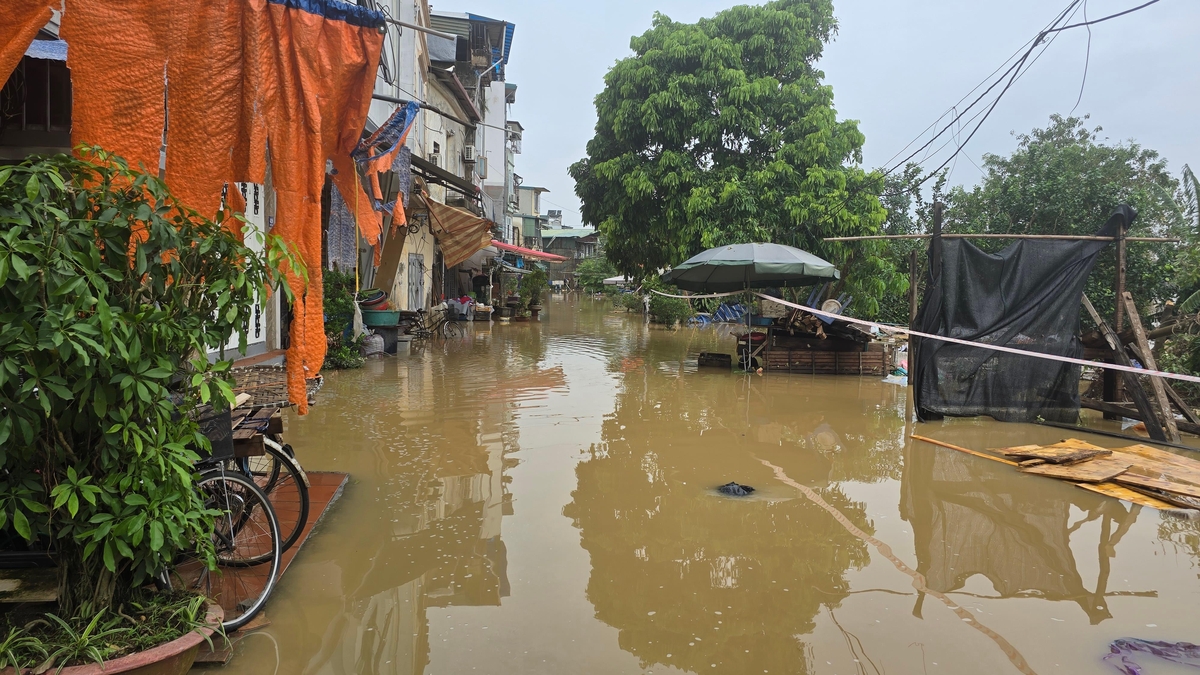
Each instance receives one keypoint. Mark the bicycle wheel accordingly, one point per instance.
(453, 330)
(279, 475)
(247, 542)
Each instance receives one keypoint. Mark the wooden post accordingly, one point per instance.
(1122, 262)
(1135, 388)
(1156, 383)
(1114, 390)
(914, 259)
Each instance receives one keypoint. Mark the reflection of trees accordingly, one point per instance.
(974, 517)
(1183, 532)
(691, 579)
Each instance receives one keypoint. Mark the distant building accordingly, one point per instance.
(573, 244)
(529, 210)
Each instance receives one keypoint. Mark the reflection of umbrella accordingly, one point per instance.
(743, 266)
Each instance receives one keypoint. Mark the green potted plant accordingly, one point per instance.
(533, 285)
(111, 296)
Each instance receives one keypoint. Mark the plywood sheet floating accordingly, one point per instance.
(1070, 451)
(1099, 470)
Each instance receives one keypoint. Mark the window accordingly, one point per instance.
(35, 105)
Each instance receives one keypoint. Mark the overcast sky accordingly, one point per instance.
(895, 65)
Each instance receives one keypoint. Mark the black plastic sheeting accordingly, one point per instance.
(1028, 297)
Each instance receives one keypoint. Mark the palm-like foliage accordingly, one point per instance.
(1190, 212)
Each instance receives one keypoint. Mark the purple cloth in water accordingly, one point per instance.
(1121, 654)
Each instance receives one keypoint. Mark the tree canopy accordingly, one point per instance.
(1065, 179)
(721, 132)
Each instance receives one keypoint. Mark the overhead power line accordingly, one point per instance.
(1105, 18)
(1019, 69)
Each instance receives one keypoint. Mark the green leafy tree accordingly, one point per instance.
(909, 211)
(1064, 179)
(111, 295)
(593, 271)
(1188, 212)
(722, 132)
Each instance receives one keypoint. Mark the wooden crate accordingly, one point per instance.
(826, 363)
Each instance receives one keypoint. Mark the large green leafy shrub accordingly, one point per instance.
(342, 353)
(111, 296)
(533, 285)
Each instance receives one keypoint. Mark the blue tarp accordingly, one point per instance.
(49, 50)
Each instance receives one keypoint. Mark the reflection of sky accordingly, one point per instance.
(554, 504)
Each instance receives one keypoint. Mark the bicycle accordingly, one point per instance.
(247, 545)
(428, 324)
(286, 485)
(278, 474)
(246, 538)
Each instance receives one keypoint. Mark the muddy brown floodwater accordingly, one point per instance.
(538, 498)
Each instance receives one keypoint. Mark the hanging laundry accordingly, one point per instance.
(382, 151)
(402, 167)
(117, 53)
(315, 111)
(342, 235)
(205, 82)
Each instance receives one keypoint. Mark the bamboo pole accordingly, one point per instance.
(1048, 237)
(981, 455)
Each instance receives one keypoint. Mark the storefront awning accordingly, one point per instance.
(528, 252)
(460, 233)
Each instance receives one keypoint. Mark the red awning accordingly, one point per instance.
(528, 252)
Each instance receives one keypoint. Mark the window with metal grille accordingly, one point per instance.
(35, 105)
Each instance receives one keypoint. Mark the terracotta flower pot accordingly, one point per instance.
(173, 658)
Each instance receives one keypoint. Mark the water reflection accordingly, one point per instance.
(699, 581)
(972, 517)
(539, 498)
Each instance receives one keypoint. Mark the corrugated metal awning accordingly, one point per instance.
(458, 24)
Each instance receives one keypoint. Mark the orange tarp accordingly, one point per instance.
(237, 77)
(205, 123)
(22, 21)
(325, 72)
(117, 53)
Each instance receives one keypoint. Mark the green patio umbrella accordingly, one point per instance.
(740, 267)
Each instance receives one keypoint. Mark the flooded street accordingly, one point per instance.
(539, 498)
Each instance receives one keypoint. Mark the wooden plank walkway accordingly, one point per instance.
(325, 488)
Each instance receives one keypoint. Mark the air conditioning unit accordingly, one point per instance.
(435, 158)
(468, 153)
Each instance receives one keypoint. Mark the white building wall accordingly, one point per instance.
(495, 145)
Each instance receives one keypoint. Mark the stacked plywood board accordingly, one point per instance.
(1138, 473)
(1144, 470)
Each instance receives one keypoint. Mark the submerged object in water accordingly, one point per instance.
(1122, 653)
(735, 490)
